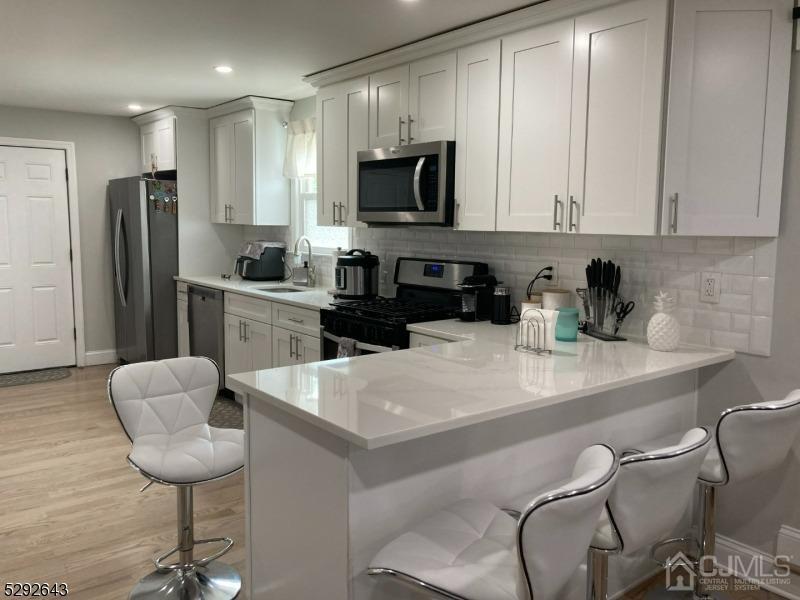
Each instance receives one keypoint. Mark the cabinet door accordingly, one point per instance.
(388, 107)
(220, 169)
(616, 121)
(243, 168)
(306, 349)
(149, 148)
(165, 144)
(237, 352)
(258, 337)
(283, 347)
(477, 111)
(331, 154)
(726, 123)
(533, 164)
(356, 95)
(432, 99)
(183, 328)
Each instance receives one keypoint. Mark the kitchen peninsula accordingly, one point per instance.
(344, 454)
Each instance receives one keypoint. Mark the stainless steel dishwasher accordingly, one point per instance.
(207, 325)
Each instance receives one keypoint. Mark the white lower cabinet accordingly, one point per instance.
(290, 348)
(248, 345)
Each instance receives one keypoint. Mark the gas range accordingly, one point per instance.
(427, 290)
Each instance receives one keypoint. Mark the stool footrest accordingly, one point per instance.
(200, 562)
(690, 550)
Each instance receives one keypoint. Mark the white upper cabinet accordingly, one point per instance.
(618, 83)
(388, 107)
(432, 99)
(247, 151)
(158, 145)
(342, 130)
(726, 126)
(477, 111)
(413, 103)
(535, 93)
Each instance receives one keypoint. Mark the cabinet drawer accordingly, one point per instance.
(418, 340)
(293, 318)
(250, 308)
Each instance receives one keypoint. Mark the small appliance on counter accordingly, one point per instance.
(502, 311)
(356, 275)
(476, 297)
(259, 260)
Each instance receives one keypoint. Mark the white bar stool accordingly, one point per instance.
(163, 407)
(749, 440)
(651, 495)
(475, 550)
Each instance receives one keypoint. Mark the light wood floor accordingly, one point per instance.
(70, 509)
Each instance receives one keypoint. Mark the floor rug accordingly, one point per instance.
(26, 377)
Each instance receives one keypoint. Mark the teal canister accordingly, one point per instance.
(567, 324)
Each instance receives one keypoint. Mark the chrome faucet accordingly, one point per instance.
(305, 275)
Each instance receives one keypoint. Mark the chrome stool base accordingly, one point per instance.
(215, 581)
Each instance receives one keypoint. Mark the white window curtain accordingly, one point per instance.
(301, 149)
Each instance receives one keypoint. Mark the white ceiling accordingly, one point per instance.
(98, 56)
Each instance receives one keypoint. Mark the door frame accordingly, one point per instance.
(74, 232)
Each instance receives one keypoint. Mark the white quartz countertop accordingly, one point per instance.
(382, 399)
(313, 298)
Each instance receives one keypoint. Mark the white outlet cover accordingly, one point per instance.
(710, 287)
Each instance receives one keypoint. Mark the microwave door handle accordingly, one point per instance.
(417, 175)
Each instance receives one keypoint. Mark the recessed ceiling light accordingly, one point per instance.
(134, 107)
(223, 69)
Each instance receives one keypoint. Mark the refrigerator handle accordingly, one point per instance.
(117, 272)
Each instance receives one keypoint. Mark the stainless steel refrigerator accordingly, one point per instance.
(144, 240)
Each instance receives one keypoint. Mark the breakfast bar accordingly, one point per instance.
(343, 454)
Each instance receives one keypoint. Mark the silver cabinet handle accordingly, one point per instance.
(230, 209)
(295, 320)
(241, 335)
(246, 336)
(342, 214)
(291, 344)
(297, 347)
(455, 220)
(572, 205)
(673, 225)
(400, 124)
(334, 213)
(417, 176)
(556, 222)
(410, 121)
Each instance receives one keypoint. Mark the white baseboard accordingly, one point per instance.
(729, 550)
(100, 357)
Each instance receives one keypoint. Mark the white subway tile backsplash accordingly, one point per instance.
(741, 320)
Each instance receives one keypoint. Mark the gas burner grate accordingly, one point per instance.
(393, 310)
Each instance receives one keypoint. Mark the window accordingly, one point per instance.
(305, 200)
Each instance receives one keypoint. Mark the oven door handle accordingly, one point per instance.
(359, 345)
(417, 176)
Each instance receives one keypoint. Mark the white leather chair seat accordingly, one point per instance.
(713, 470)
(468, 549)
(193, 454)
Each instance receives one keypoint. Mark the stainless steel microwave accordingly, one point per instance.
(412, 184)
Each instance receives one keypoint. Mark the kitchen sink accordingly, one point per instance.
(278, 290)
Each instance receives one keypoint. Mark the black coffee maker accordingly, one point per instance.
(476, 297)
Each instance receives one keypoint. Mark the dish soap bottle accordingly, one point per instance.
(663, 330)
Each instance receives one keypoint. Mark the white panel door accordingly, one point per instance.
(259, 344)
(165, 144)
(477, 113)
(220, 169)
(432, 99)
(618, 82)
(388, 107)
(237, 352)
(283, 347)
(307, 349)
(149, 145)
(726, 124)
(331, 155)
(243, 167)
(533, 164)
(36, 312)
(356, 95)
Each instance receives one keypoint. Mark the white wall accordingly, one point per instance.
(752, 512)
(106, 148)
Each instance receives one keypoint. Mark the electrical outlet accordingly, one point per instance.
(710, 284)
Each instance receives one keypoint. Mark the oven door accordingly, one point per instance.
(407, 184)
(330, 346)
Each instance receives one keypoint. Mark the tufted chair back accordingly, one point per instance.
(163, 396)
(555, 529)
(755, 438)
(654, 489)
